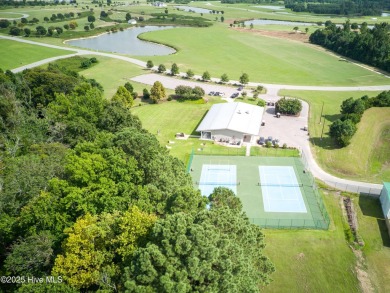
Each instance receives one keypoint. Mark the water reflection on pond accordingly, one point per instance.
(126, 42)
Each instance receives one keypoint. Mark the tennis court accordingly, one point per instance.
(213, 176)
(276, 192)
(281, 190)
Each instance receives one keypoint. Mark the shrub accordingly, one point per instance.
(284, 146)
(268, 144)
(261, 103)
(146, 94)
(169, 98)
(86, 64)
(342, 131)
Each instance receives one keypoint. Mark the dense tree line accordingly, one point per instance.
(370, 46)
(343, 129)
(87, 194)
(343, 7)
(13, 3)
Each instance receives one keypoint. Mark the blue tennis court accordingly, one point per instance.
(281, 190)
(213, 176)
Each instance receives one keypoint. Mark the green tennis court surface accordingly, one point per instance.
(275, 192)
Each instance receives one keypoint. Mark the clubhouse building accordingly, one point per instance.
(231, 123)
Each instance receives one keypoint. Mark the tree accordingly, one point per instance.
(15, 31)
(23, 20)
(161, 68)
(46, 19)
(295, 29)
(129, 87)
(222, 19)
(27, 32)
(342, 131)
(190, 73)
(41, 31)
(91, 18)
(211, 251)
(128, 16)
(31, 255)
(306, 30)
(288, 106)
(251, 25)
(244, 78)
(206, 76)
(86, 27)
(149, 64)
(145, 94)
(123, 96)
(174, 69)
(157, 92)
(224, 78)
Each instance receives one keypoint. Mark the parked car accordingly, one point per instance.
(240, 88)
(261, 141)
(269, 138)
(211, 93)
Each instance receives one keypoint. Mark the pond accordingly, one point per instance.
(281, 22)
(384, 14)
(193, 9)
(126, 42)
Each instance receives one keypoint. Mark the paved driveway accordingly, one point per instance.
(287, 129)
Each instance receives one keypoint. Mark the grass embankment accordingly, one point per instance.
(368, 155)
(264, 59)
(372, 228)
(15, 54)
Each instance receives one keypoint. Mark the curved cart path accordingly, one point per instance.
(272, 93)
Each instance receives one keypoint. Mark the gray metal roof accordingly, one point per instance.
(240, 117)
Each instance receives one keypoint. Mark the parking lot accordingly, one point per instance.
(288, 129)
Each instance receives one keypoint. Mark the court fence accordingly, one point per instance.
(290, 223)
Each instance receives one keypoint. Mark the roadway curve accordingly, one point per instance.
(272, 93)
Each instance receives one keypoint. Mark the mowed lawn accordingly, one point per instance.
(15, 54)
(367, 157)
(168, 118)
(312, 260)
(322, 261)
(219, 50)
(112, 73)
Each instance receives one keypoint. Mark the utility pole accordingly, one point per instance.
(322, 110)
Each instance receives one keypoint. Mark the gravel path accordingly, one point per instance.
(272, 94)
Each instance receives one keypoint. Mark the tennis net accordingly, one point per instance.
(217, 183)
(281, 185)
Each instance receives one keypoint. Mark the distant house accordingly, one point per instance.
(385, 202)
(159, 4)
(132, 21)
(232, 123)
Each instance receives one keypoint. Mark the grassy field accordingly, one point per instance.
(367, 157)
(264, 59)
(15, 54)
(307, 260)
(322, 261)
(111, 73)
(372, 228)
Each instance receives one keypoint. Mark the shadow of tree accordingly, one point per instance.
(326, 143)
(332, 118)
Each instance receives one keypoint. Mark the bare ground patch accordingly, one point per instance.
(299, 37)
